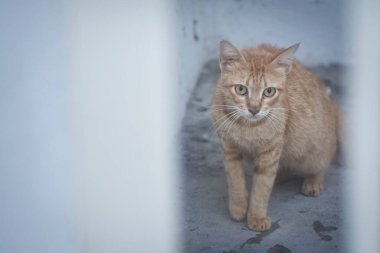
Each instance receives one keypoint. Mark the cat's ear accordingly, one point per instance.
(283, 61)
(229, 56)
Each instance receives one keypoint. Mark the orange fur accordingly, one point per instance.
(295, 129)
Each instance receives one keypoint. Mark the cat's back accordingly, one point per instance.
(308, 95)
(312, 115)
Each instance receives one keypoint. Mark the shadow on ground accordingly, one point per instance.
(301, 224)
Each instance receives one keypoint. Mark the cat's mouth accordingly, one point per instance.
(257, 117)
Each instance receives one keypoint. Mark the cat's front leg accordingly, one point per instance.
(237, 192)
(264, 175)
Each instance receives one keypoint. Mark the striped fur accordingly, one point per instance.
(295, 130)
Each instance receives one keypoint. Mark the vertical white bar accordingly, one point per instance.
(38, 211)
(363, 125)
(123, 73)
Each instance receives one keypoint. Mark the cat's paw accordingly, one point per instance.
(312, 189)
(258, 224)
(238, 208)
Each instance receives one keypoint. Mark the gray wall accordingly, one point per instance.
(317, 24)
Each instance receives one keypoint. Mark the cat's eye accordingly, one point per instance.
(269, 92)
(241, 89)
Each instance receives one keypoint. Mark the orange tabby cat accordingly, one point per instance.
(271, 111)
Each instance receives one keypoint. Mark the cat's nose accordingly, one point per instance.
(254, 110)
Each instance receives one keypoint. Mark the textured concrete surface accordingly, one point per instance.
(300, 224)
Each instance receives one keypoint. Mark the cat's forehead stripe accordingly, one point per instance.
(249, 80)
(257, 70)
(265, 81)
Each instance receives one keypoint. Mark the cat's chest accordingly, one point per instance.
(251, 139)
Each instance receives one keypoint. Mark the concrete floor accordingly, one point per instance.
(300, 224)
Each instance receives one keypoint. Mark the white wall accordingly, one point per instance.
(38, 211)
(121, 64)
(87, 111)
(362, 125)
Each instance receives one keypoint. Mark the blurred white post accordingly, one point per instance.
(38, 211)
(363, 125)
(123, 82)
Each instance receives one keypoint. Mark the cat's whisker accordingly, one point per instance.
(223, 124)
(283, 117)
(233, 121)
(233, 108)
(221, 118)
(222, 131)
(223, 107)
(270, 121)
(229, 121)
(279, 118)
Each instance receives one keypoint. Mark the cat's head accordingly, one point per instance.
(253, 80)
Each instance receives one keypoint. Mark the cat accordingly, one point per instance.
(270, 111)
